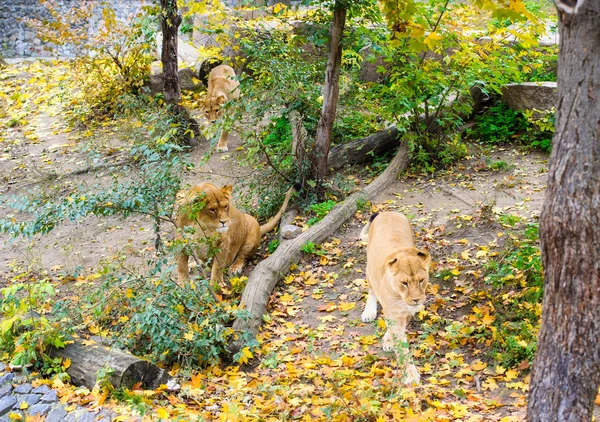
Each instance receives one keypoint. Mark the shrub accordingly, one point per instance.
(499, 124)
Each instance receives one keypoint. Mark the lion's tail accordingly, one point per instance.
(272, 223)
(364, 234)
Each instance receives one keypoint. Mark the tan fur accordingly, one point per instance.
(398, 275)
(222, 87)
(238, 235)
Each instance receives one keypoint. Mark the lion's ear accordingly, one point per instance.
(221, 99)
(392, 262)
(227, 190)
(425, 258)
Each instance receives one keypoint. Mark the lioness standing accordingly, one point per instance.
(398, 275)
(222, 87)
(238, 235)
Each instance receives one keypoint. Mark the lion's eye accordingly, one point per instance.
(226, 207)
(213, 211)
(405, 284)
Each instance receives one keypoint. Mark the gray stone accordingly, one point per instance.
(5, 390)
(39, 409)
(57, 415)
(290, 231)
(30, 399)
(23, 388)
(87, 417)
(6, 404)
(530, 95)
(6, 378)
(42, 389)
(50, 397)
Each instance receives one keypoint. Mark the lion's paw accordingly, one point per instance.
(388, 344)
(236, 268)
(411, 375)
(368, 315)
(222, 149)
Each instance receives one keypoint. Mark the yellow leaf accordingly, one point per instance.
(93, 329)
(124, 318)
(23, 405)
(488, 319)
(128, 293)
(66, 363)
(432, 40)
(381, 323)
(500, 370)
(346, 306)
(465, 255)
(478, 365)
(189, 335)
(510, 375)
(162, 413)
(455, 271)
(286, 298)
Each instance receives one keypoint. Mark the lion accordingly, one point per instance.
(207, 209)
(398, 276)
(222, 87)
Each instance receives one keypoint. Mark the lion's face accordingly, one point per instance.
(213, 207)
(408, 274)
(213, 107)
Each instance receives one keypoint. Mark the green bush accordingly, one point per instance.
(499, 124)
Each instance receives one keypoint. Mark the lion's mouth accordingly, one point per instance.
(222, 229)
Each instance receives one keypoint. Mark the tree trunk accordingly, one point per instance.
(331, 91)
(566, 370)
(363, 150)
(127, 369)
(266, 274)
(170, 21)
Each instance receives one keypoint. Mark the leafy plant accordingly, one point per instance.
(320, 210)
(541, 129)
(499, 124)
(25, 334)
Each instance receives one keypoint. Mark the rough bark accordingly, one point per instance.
(170, 21)
(86, 361)
(331, 90)
(566, 369)
(265, 275)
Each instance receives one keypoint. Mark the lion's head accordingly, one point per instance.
(408, 274)
(213, 107)
(209, 206)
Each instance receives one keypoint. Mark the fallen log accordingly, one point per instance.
(267, 273)
(127, 370)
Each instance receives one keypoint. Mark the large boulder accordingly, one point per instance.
(530, 95)
(188, 79)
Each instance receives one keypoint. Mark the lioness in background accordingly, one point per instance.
(398, 275)
(222, 87)
(208, 210)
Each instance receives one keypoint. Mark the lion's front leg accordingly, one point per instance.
(222, 144)
(183, 272)
(395, 339)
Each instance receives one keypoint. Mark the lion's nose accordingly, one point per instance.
(418, 300)
(223, 222)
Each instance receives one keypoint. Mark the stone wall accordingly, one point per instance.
(18, 40)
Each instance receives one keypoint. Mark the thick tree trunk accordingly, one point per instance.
(566, 370)
(331, 91)
(363, 150)
(170, 21)
(265, 275)
(127, 369)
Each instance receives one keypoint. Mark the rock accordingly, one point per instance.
(290, 231)
(30, 399)
(87, 417)
(6, 404)
(6, 378)
(23, 388)
(5, 390)
(530, 95)
(42, 389)
(39, 409)
(188, 80)
(57, 415)
(50, 397)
